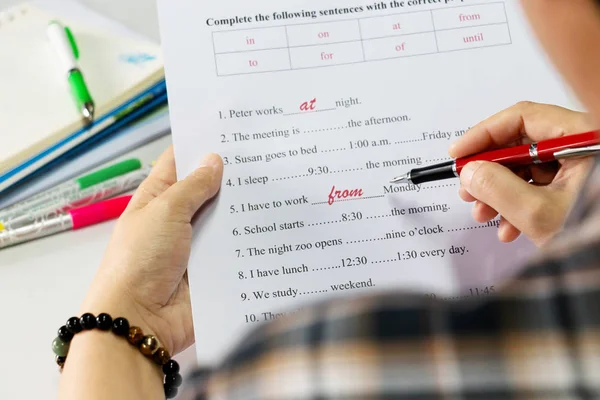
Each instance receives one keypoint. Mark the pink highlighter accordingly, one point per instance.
(75, 219)
(99, 212)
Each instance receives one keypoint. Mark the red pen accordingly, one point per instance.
(580, 145)
(59, 222)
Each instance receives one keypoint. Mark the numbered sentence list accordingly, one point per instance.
(357, 252)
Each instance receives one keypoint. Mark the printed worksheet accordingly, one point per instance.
(315, 106)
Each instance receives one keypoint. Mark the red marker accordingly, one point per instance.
(71, 220)
(581, 145)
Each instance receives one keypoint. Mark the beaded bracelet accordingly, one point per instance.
(148, 345)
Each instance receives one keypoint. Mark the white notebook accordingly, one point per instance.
(36, 107)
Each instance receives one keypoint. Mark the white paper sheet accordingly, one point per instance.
(306, 99)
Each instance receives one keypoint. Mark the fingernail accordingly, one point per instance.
(452, 147)
(211, 160)
(467, 173)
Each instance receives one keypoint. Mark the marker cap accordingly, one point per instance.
(99, 212)
(108, 173)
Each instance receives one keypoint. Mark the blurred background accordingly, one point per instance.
(139, 15)
(43, 282)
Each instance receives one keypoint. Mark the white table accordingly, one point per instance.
(33, 308)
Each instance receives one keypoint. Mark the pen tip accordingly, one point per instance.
(88, 112)
(400, 179)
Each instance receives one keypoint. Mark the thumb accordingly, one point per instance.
(525, 206)
(186, 197)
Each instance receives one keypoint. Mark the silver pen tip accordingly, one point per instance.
(88, 112)
(400, 179)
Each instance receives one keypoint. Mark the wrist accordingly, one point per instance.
(99, 359)
(114, 305)
(108, 297)
(116, 356)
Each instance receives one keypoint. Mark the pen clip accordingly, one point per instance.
(72, 42)
(577, 152)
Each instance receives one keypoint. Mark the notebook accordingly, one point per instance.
(36, 108)
(77, 163)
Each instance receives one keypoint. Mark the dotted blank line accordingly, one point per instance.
(291, 177)
(470, 228)
(437, 187)
(409, 141)
(333, 150)
(439, 159)
(384, 261)
(381, 216)
(347, 170)
(325, 223)
(315, 292)
(336, 128)
(365, 240)
(456, 298)
(326, 268)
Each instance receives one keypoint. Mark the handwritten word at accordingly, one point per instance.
(308, 105)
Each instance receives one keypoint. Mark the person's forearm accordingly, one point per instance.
(101, 365)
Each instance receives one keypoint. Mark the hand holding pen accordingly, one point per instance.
(502, 187)
(560, 148)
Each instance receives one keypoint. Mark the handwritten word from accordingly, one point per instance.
(343, 194)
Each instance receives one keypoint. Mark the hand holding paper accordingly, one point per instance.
(148, 252)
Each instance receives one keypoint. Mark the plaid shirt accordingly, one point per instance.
(536, 337)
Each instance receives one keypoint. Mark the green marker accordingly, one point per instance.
(68, 193)
(66, 48)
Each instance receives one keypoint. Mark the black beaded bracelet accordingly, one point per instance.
(148, 345)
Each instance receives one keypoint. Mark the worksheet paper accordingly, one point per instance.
(315, 106)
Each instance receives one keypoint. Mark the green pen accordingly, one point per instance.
(68, 192)
(66, 48)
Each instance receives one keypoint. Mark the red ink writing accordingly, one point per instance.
(469, 17)
(343, 194)
(396, 27)
(253, 63)
(323, 35)
(308, 105)
(473, 39)
(250, 40)
(326, 56)
(401, 47)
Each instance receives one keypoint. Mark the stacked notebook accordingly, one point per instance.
(39, 123)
